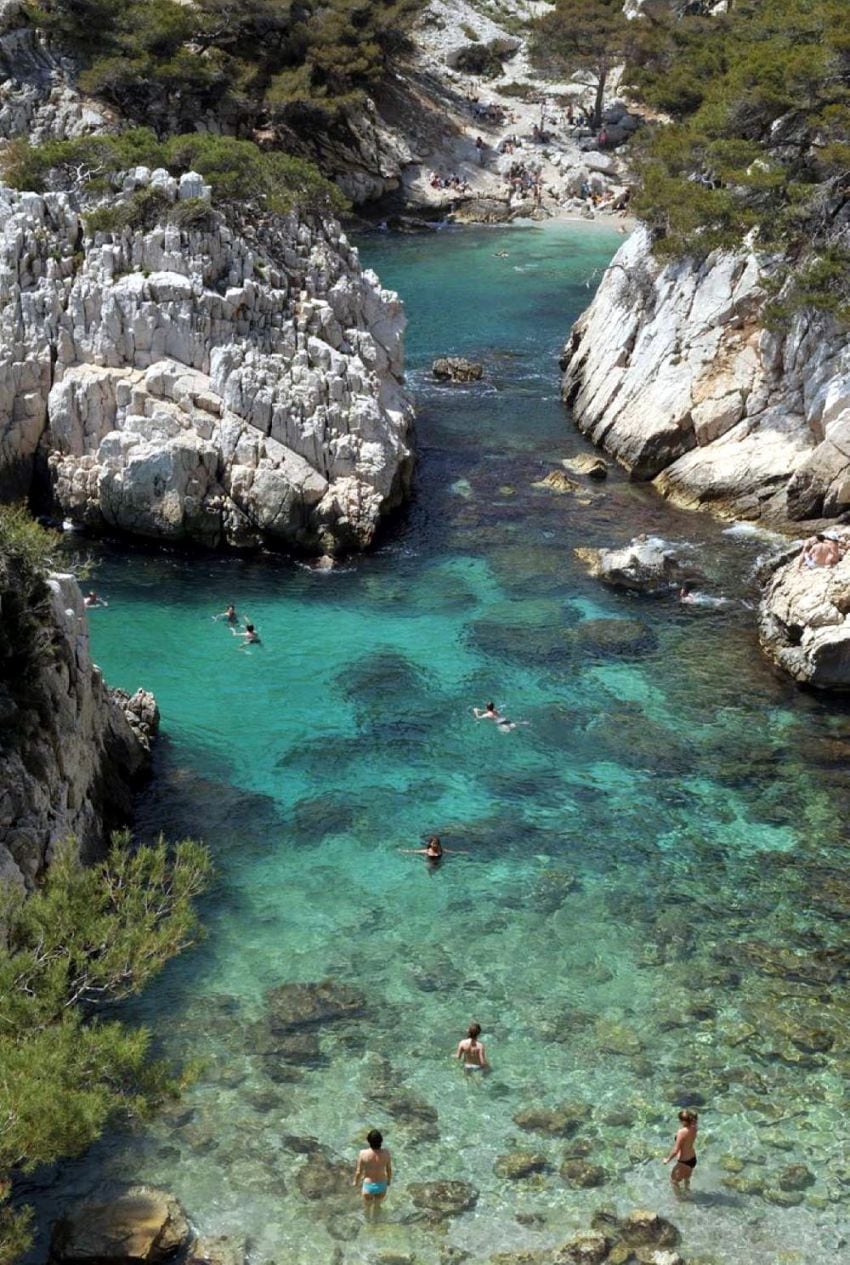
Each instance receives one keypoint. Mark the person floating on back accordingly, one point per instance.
(471, 1051)
(684, 1154)
(375, 1170)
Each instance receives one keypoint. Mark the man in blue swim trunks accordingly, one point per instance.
(375, 1170)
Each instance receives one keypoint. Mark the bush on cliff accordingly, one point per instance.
(759, 140)
(167, 63)
(89, 936)
(26, 551)
(242, 176)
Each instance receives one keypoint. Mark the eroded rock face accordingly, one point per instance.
(673, 371)
(803, 624)
(142, 1224)
(71, 751)
(456, 369)
(190, 385)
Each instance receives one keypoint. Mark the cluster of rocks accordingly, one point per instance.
(73, 751)
(192, 385)
(803, 618)
(457, 369)
(673, 370)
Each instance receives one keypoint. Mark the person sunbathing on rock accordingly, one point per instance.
(820, 551)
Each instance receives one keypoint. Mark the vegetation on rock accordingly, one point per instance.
(589, 35)
(242, 176)
(168, 64)
(89, 936)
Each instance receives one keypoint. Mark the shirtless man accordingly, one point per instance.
(471, 1051)
(92, 599)
(250, 637)
(375, 1170)
(683, 1153)
(490, 712)
(819, 551)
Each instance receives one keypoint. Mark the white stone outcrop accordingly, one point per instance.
(646, 565)
(673, 370)
(72, 751)
(804, 619)
(187, 384)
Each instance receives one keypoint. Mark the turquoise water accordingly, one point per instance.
(651, 905)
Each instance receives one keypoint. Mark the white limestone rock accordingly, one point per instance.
(673, 370)
(188, 385)
(803, 619)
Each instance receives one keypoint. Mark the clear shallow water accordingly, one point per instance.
(652, 904)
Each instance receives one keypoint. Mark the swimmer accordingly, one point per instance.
(229, 614)
(471, 1051)
(375, 1170)
(689, 597)
(433, 851)
(92, 599)
(250, 637)
(684, 1154)
(490, 712)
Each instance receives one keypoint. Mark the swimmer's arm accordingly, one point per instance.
(389, 1168)
(418, 852)
(459, 1051)
(357, 1170)
(482, 1058)
(677, 1147)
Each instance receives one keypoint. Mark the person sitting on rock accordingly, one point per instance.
(818, 551)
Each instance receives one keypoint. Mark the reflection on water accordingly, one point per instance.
(651, 907)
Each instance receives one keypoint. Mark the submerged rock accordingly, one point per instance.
(614, 637)
(558, 1121)
(578, 1172)
(323, 1178)
(142, 1224)
(217, 1249)
(292, 1006)
(515, 1165)
(584, 1249)
(444, 1199)
(457, 369)
(643, 1228)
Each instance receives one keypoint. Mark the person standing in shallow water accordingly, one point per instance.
(375, 1170)
(684, 1153)
(471, 1051)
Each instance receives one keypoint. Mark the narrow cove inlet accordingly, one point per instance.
(642, 909)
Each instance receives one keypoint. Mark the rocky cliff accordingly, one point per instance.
(192, 384)
(673, 370)
(71, 751)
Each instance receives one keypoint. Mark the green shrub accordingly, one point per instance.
(89, 936)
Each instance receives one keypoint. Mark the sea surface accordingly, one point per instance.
(647, 899)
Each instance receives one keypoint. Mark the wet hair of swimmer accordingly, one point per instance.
(491, 707)
(820, 537)
(434, 842)
(688, 1117)
(249, 627)
(375, 1139)
(474, 1031)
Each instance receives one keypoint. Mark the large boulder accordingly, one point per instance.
(140, 1225)
(803, 624)
(560, 1121)
(648, 565)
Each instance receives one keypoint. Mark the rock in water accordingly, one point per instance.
(142, 1224)
(293, 1006)
(803, 624)
(457, 369)
(584, 1249)
(443, 1199)
(648, 565)
(185, 384)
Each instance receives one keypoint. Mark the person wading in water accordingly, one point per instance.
(471, 1051)
(375, 1170)
(684, 1154)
